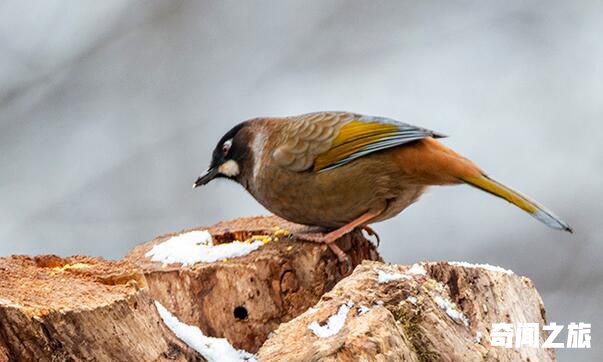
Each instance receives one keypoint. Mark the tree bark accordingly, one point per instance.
(80, 309)
(244, 299)
(409, 318)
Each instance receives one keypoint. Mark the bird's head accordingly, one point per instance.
(230, 155)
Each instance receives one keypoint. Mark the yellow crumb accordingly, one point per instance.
(290, 247)
(263, 238)
(277, 231)
(276, 235)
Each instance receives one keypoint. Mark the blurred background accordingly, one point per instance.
(110, 109)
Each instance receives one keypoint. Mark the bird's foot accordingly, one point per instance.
(328, 239)
(371, 232)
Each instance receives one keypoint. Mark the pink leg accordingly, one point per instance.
(331, 237)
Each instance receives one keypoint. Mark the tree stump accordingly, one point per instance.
(80, 309)
(264, 301)
(430, 312)
(244, 299)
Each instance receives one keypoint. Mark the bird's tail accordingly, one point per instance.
(537, 211)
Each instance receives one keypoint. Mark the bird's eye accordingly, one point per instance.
(226, 146)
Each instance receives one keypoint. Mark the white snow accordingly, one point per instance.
(312, 310)
(197, 246)
(489, 267)
(213, 349)
(362, 309)
(385, 277)
(417, 269)
(478, 337)
(451, 309)
(412, 300)
(334, 323)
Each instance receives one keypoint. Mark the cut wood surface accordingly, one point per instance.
(244, 299)
(428, 312)
(80, 309)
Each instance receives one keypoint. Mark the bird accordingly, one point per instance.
(342, 170)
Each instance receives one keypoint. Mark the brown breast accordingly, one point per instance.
(331, 198)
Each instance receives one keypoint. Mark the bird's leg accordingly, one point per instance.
(332, 236)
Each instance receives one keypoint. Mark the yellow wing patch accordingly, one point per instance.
(323, 141)
(353, 138)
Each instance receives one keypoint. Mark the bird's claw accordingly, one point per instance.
(345, 262)
(371, 232)
(319, 238)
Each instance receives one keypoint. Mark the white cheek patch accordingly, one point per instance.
(229, 168)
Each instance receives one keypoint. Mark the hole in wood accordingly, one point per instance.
(241, 313)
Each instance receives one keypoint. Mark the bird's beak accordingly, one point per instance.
(204, 179)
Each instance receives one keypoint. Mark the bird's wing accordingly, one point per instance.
(326, 140)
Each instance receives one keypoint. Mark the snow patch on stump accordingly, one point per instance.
(362, 310)
(334, 323)
(385, 277)
(412, 300)
(213, 349)
(451, 309)
(489, 267)
(197, 246)
(417, 269)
